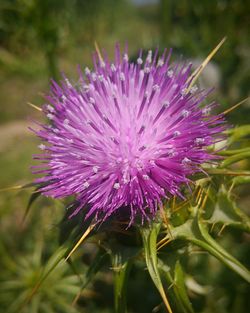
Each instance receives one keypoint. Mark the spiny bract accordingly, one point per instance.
(128, 134)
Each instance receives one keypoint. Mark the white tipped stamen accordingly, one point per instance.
(186, 161)
(146, 94)
(63, 98)
(125, 181)
(92, 100)
(87, 71)
(50, 116)
(117, 186)
(145, 177)
(156, 87)
(149, 57)
(125, 57)
(139, 61)
(42, 146)
(170, 73)
(122, 77)
(102, 64)
(100, 77)
(171, 153)
(66, 121)
(147, 70)
(165, 104)
(160, 63)
(95, 169)
(184, 91)
(86, 185)
(113, 68)
(50, 108)
(56, 131)
(85, 88)
(68, 83)
(94, 77)
(199, 141)
(177, 133)
(193, 89)
(185, 113)
(206, 111)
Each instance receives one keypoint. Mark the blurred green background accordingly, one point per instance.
(41, 38)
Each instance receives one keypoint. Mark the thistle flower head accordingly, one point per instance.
(126, 135)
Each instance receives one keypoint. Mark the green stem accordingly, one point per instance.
(149, 237)
(240, 270)
(121, 273)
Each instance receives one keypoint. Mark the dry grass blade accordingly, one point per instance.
(98, 52)
(11, 188)
(235, 106)
(193, 78)
(34, 106)
(164, 243)
(80, 241)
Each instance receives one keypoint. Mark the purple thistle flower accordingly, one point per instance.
(126, 135)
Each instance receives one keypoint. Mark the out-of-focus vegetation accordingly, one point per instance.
(40, 38)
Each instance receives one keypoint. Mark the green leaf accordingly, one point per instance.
(35, 304)
(122, 257)
(34, 196)
(121, 271)
(195, 231)
(227, 213)
(52, 263)
(233, 151)
(175, 278)
(219, 252)
(236, 158)
(223, 171)
(180, 288)
(149, 236)
(239, 180)
(17, 303)
(238, 132)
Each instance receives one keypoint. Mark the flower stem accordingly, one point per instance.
(121, 273)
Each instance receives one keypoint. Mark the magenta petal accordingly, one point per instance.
(127, 135)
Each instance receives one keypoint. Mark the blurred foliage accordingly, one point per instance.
(195, 257)
(28, 25)
(40, 37)
(195, 26)
(24, 275)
